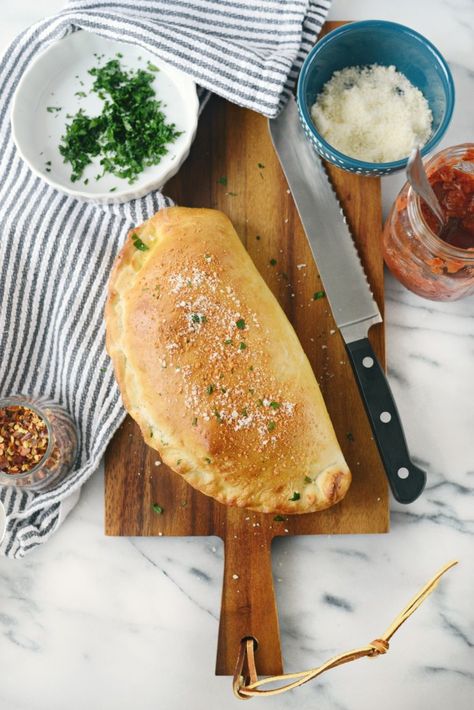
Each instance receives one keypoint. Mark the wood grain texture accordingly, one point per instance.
(231, 143)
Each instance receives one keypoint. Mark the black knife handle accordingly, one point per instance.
(406, 480)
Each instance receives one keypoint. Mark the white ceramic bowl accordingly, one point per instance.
(53, 79)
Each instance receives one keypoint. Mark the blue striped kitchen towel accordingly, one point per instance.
(56, 253)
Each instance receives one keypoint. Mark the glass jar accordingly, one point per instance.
(424, 263)
(61, 445)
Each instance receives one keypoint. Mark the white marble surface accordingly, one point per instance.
(97, 623)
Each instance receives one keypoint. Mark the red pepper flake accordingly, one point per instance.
(23, 439)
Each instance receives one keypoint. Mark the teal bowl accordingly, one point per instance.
(376, 42)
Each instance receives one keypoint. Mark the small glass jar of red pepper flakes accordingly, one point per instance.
(433, 260)
(38, 442)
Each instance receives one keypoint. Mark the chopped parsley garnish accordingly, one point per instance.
(260, 165)
(317, 295)
(295, 496)
(196, 318)
(158, 509)
(112, 189)
(240, 324)
(223, 180)
(275, 405)
(195, 421)
(350, 436)
(207, 459)
(53, 109)
(228, 341)
(210, 389)
(279, 519)
(271, 425)
(307, 479)
(242, 346)
(152, 67)
(218, 416)
(231, 194)
(81, 94)
(138, 244)
(244, 413)
(273, 262)
(130, 134)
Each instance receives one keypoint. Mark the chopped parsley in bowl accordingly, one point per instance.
(130, 133)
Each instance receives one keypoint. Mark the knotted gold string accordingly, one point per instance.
(246, 683)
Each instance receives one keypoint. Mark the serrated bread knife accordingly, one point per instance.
(347, 289)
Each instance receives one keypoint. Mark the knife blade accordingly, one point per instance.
(348, 292)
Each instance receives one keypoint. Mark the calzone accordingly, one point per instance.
(212, 371)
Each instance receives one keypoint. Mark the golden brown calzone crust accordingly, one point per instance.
(212, 371)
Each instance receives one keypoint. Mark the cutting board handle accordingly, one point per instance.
(248, 606)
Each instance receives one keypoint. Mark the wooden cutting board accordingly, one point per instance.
(233, 167)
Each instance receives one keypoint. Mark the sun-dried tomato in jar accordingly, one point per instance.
(433, 260)
(38, 442)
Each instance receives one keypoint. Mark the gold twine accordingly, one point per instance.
(246, 683)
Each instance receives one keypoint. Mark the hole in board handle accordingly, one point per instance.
(385, 417)
(403, 472)
(250, 638)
